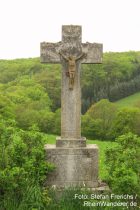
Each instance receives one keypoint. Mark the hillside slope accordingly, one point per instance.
(130, 101)
(117, 77)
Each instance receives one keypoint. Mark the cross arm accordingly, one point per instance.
(94, 52)
(50, 52)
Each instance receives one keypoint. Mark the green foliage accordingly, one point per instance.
(98, 120)
(50, 80)
(22, 163)
(127, 120)
(6, 107)
(46, 121)
(104, 120)
(67, 200)
(28, 103)
(117, 77)
(123, 163)
(103, 146)
(91, 127)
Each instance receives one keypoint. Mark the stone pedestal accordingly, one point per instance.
(75, 166)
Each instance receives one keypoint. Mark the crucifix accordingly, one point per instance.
(71, 53)
(76, 163)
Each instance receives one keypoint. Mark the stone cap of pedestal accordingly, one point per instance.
(70, 142)
(91, 149)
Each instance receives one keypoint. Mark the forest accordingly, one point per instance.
(30, 108)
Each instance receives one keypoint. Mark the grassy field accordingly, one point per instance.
(103, 145)
(130, 101)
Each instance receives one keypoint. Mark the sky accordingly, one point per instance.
(26, 23)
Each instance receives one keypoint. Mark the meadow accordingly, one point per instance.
(130, 101)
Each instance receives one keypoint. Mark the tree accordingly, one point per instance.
(6, 107)
(91, 128)
(104, 113)
(127, 120)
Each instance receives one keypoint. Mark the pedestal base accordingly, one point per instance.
(70, 142)
(74, 166)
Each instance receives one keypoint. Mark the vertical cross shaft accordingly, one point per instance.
(71, 99)
(71, 53)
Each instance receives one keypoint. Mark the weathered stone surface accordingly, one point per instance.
(71, 99)
(70, 143)
(71, 44)
(76, 163)
(74, 167)
(94, 52)
(50, 52)
(70, 106)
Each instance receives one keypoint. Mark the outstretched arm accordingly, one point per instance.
(81, 56)
(63, 56)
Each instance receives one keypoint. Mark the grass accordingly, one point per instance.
(130, 101)
(50, 139)
(103, 145)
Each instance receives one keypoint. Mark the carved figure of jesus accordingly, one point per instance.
(72, 67)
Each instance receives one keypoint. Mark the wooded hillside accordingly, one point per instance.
(116, 78)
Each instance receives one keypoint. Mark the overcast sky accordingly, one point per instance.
(26, 23)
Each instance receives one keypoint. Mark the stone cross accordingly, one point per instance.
(70, 52)
(76, 163)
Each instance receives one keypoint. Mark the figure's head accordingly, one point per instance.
(71, 57)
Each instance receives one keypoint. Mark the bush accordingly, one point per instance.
(127, 120)
(98, 121)
(123, 165)
(46, 121)
(22, 163)
(91, 128)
